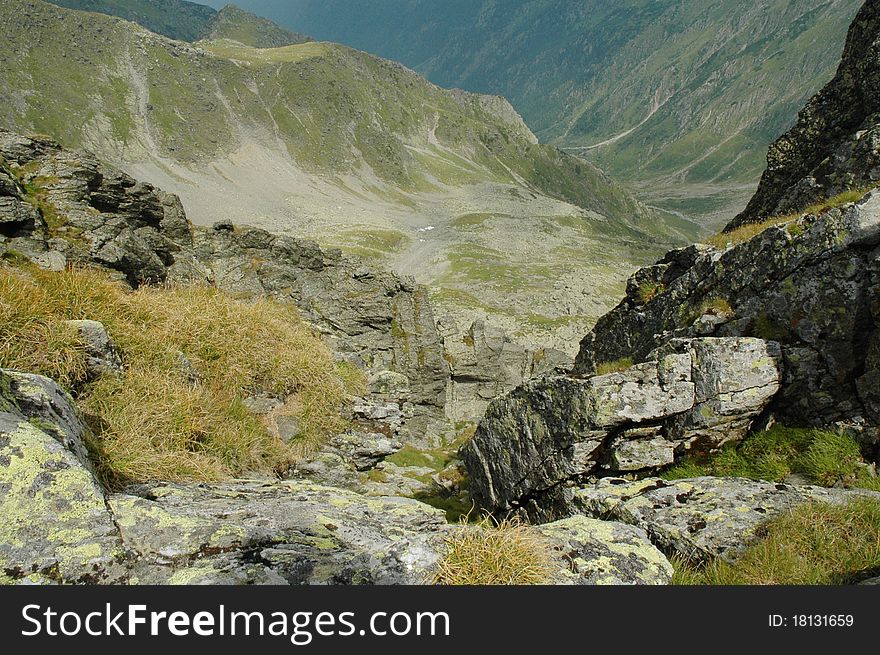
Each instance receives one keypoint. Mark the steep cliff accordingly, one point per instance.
(835, 145)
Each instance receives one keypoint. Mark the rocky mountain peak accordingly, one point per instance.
(835, 145)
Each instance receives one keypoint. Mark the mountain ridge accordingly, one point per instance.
(336, 144)
(676, 91)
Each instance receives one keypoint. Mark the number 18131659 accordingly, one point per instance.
(811, 621)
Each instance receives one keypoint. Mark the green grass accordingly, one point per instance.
(814, 544)
(374, 242)
(617, 366)
(152, 422)
(824, 458)
(647, 291)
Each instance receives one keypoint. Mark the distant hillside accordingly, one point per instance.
(325, 141)
(176, 19)
(189, 21)
(654, 91)
(238, 25)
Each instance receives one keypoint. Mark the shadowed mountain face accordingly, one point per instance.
(678, 98)
(324, 141)
(189, 21)
(176, 19)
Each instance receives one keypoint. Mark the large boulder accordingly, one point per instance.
(284, 532)
(692, 395)
(54, 521)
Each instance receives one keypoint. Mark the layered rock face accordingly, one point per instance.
(692, 395)
(811, 285)
(835, 144)
(485, 363)
(100, 216)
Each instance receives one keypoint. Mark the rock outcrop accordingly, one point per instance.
(692, 395)
(811, 285)
(58, 525)
(101, 216)
(835, 145)
(485, 363)
(700, 518)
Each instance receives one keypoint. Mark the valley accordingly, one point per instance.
(278, 311)
(670, 97)
(321, 141)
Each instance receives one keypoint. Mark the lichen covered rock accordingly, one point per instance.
(692, 395)
(605, 553)
(54, 522)
(698, 518)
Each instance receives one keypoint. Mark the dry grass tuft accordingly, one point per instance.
(750, 230)
(495, 553)
(153, 422)
(617, 366)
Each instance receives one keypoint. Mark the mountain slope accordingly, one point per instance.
(242, 26)
(324, 141)
(835, 145)
(666, 91)
(176, 19)
(190, 21)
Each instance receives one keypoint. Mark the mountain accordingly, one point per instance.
(189, 21)
(327, 142)
(659, 93)
(835, 146)
(238, 25)
(176, 19)
(697, 408)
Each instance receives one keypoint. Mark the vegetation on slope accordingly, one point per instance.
(244, 27)
(336, 111)
(748, 231)
(494, 553)
(814, 544)
(585, 72)
(191, 356)
(819, 456)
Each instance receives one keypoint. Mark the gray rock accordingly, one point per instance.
(835, 145)
(485, 363)
(102, 356)
(605, 553)
(54, 522)
(300, 533)
(694, 395)
(812, 286)
(698, 518)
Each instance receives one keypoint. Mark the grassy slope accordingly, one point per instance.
(336, 110)
(244, 27)
(153, 421)
(585, 72)
(725, 78)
